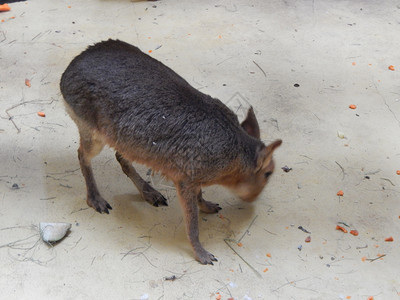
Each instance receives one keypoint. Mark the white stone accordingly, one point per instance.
(53, 232)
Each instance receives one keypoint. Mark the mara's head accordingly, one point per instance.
(254, 179)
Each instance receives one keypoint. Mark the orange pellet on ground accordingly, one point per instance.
(341, 228)
(398, 172)
(5, 7)
(27, 82)
(240, 244)
(218, 297)
(308, 239)
(150, 51)
(265, 270)
(348, 297)
(354, 232)
(268, 254)
(389, 239)
(370, 298)
(391, 68)
(363, 258)
(41, 114)
(353, 63)
(340, 193)
(352, 106)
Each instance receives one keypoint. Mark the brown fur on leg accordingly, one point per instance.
(207, 206)
(188, 197)
(89, 148)
(148, 193)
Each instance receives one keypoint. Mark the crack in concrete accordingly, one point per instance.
(387, 105)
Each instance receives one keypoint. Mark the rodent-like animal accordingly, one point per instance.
(120, 96)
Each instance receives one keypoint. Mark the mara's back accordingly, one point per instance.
(136, 102)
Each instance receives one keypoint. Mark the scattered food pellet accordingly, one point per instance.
(391, 68)
(5, 7)
(41, 114)
(398, 172)
(348, 297)
(240, 244)
(218, 296)
(370, 298)
(265, 270)
(354, 232)
(340, 193)
(150, 51)
(363, 258)
(27, 82)
(308, 239)
(338, 227)
(353, 63)
(389, 239)
(340, 135)
(268, 254)
(352, 106)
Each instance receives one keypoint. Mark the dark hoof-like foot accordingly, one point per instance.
(153, 197)
(209, 207)
(205, 258)
(99, 204)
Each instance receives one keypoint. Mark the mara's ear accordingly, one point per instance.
(264, 155)
(250, 124)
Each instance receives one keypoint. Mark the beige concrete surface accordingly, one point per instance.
(243, 52)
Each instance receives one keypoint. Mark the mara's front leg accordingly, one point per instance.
(188, 197)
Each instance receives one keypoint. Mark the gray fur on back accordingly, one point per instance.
(139, 103)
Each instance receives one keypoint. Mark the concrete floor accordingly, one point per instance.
(243, 52)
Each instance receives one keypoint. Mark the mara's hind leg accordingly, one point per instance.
(148, 193)
(90, 146)
(207, 206)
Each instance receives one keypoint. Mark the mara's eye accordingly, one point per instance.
(267, 174)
